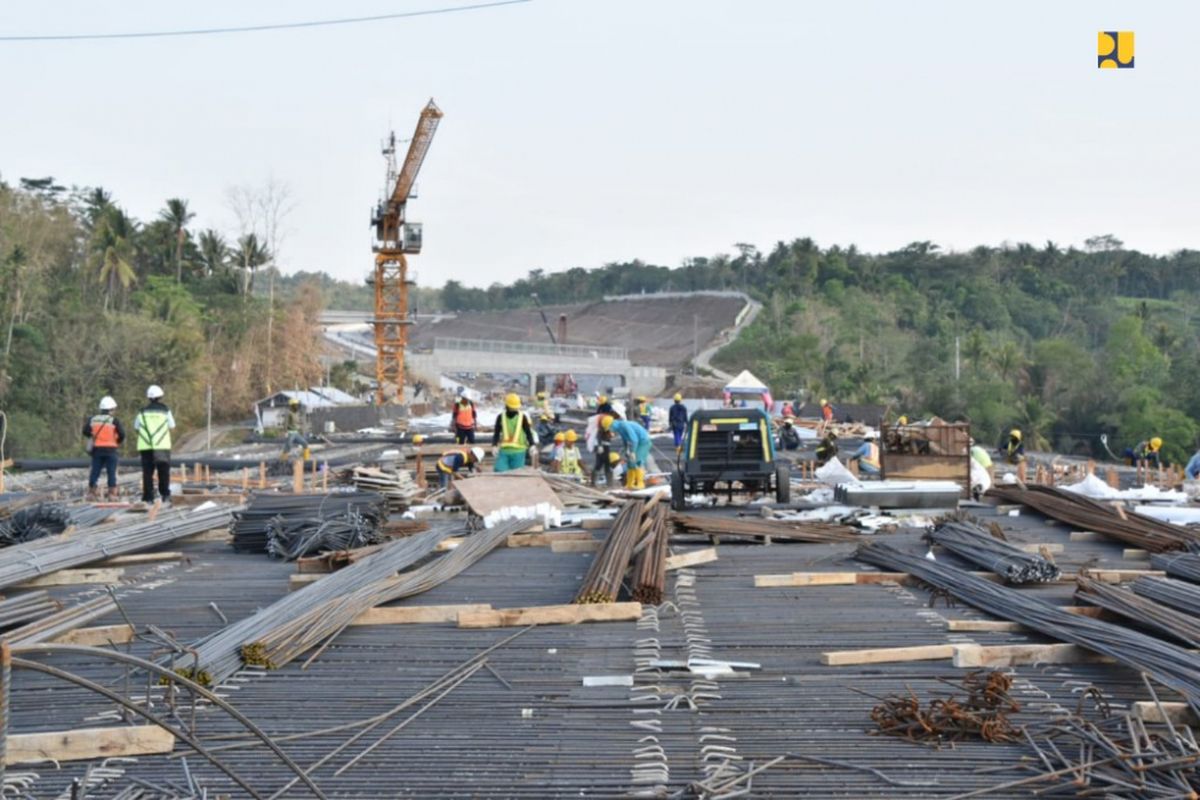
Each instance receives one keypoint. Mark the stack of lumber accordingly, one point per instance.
(782, 530)
(397, 486)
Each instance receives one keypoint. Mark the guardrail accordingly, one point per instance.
(526, 348)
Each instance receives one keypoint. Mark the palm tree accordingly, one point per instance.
(214, 252)
(176, 213)
(112, 252)
(249, 255)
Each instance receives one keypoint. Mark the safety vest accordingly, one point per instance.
(104, 431)
(570, 461)
(512, 432)
(444, 465)
(872, 455)
(154, 432)
(464, 416)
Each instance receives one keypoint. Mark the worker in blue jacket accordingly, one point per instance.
(637, 449)
(677, 417)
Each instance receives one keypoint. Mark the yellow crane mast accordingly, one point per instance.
(395, 238)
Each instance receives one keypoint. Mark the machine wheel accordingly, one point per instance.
(677, 491)
(783, 483)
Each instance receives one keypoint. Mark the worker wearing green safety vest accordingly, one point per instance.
(153, 425)
(512, 434)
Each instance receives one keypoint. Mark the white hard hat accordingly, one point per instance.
(478, 453)
(107, 403)
(154, 392)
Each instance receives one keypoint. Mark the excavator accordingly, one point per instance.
(395, 238)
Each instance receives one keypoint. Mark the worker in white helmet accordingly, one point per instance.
(153, 425)
(104, 435)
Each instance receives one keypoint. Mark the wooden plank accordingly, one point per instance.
(1087, 536)
(142, 558)
(547, 539)
(571, 614)
(573, 546)
(98, 636)
(1036, 547)
(887, 655)
(1135, 554)
(975, 656)
(596, 524)
(215, 535)
(983, 625)
(410, 615)
(298, 581)
(85, 744)
(71, 577)
(692, 559)
(1175, 713)
(449, 543)
(488, 493)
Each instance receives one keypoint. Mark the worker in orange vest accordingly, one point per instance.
(104, 435)
(463, 420)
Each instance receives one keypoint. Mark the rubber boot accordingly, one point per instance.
(630, 478)
(114, 493)
(307, 453)
(639, 476)
(93, 494)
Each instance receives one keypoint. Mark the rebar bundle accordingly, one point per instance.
(602, 583)
(27, 607)
(218, 656)
(1089, 515)
(1177, 594)
(290, 539)
(24, 562)
(782, 530)
(983, 714)
(294, 518)
(1169, 664)
(1172, 622)
(58, 623)
(650, 569)
(34, 522)
(974, 544)
(319, 625)
(1178, 565)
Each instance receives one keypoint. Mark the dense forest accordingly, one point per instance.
(1066, 343)
(95, 302)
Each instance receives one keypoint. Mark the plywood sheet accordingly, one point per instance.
(488, 493)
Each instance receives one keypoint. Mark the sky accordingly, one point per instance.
(582, 132)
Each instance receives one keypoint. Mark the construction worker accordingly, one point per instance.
(789, 437)
(556, 452)
(599, 443)
(105, 435)
(297, 424)
(463, 420)
(827, 449)
(603, 406)
(981, 457)
(787, 410)
(512, 434)
(637, 449)
(678, 418)
(570, 456)
(902, 420)
(867, 456)
(644, 412)
(454, 460)
(826, 411)
(544, 405)
(1145, 453)
(1014, 452)
(153, 425)
(1192, 470)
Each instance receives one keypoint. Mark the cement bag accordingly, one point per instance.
(980, 480)
(833, 474)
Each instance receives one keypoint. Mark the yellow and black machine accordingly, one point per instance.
(729, 450)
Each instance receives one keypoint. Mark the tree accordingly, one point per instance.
(113, 252)
(214, 253)
(249, 256)
(177, 215)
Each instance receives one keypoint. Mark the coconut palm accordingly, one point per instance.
(249, 255)
(113, 252)
(177, 215)
(214, 252)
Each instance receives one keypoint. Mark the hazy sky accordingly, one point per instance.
(579, 132)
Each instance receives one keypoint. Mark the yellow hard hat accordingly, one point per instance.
(512, 401)
(642, 398)
(1015, 433)
(541, 395)
(606, 422)
(418, 439)
(1155, 443)
(824, 401)
(603, 399)
(902, 421)
(613, 458)
(559, 438)
(571, 437)
(678, 397)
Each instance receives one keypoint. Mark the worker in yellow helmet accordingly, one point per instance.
(512, 435)
(643, 411)
(1014, 452)
(677, 418)
(1145, 453)
(637, 449)
(604, 406)
(570, 455)
(556, 452)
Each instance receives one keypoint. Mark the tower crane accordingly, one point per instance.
(396, 237)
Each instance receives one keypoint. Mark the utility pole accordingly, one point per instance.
(208, 405)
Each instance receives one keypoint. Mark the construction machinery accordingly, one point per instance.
(729, 450)
(395, 238)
